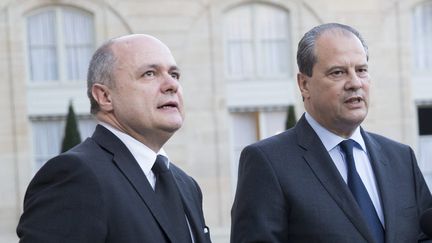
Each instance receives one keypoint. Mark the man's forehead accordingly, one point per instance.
(334, 39)
(334, 50)
(140, 53)
(135, 43)
(140, 45)
(334, 35)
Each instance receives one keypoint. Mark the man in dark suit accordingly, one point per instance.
(109, 188)
(326, 179)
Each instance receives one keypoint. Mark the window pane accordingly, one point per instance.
(46, 140)
(422, 36)
(257, 42)
(60, 41)
(78, 38)
(425, 120)
(425, 141)
(272, 35)
(239, 44)
(42, 46)
(240, 59)
(272, 123)
(244, 131)
(48, 136)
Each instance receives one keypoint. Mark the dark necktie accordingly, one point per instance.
(360, 193)
(169, 196)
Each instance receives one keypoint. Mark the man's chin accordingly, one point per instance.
(357, 116)
(172, 126)
(355, 121)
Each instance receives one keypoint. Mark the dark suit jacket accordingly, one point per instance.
(289, 190)
(97, 192)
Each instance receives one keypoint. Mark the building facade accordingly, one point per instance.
(238, 73)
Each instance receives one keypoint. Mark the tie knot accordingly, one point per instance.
(160, 164)
(347, 146)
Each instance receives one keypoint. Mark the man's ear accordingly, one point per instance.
(303, 82)
(102, 94)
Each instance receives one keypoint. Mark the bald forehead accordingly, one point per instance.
(137, 53)
(137, 40)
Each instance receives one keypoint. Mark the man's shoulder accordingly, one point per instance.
(82, 155)
(382, 140)
(287, 137)
(89, 149)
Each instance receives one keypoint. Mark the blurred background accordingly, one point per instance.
(238, 73)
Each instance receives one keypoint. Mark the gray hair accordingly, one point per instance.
(306, 58)
(100, 71)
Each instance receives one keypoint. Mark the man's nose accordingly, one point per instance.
(170, 84)
(354, 82)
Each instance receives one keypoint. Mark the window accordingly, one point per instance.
(60, 44)
(422, 37)
(48, 135)
(425, 120)
(250, 126)
(425, 141)
(257, 49)
(257, 42)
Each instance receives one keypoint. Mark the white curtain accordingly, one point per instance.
(78, 36)
(422, 37)
(48, 136)
(244, 131)
(47, 139)
(60, 44)
(257, 42)
(249, 127)
(42, 44)
(272, 34)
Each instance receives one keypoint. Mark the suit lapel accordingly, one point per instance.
(389, 194)
(129, 167)
(191, 206)
(326, 172)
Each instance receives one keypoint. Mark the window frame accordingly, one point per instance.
(256, 41)
(60, 47)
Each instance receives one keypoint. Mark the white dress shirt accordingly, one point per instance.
(362, 162)
(142, 154)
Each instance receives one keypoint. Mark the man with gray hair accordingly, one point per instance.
(328, 180)
(119, 185)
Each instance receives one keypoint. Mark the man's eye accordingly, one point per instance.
(362, 72)
(337, 73)
(149, 74)
(175, 75)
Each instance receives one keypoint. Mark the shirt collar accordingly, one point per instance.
(331, 140)
(142, 154)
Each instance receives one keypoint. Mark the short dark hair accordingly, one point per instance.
(100, 71)
(306, 58)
